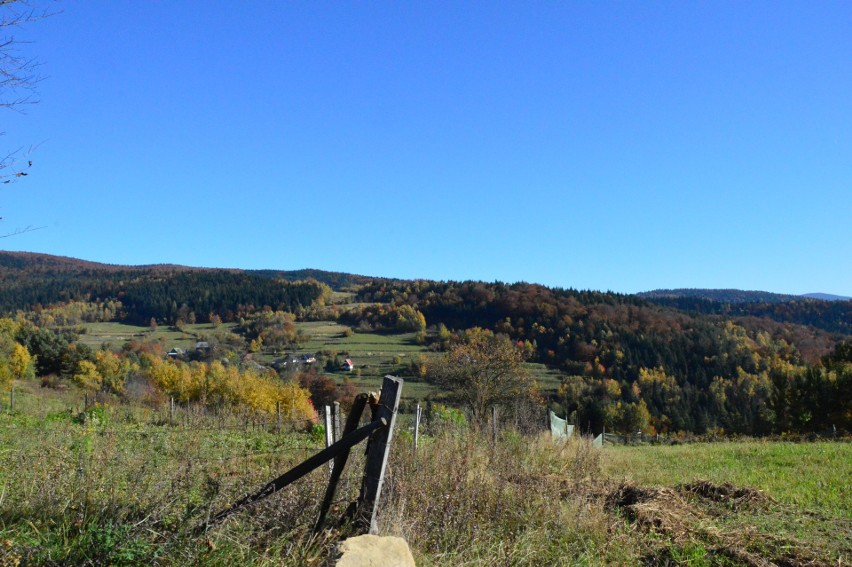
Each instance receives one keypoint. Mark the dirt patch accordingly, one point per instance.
(687, 522)
(657, 509)
(727, 493)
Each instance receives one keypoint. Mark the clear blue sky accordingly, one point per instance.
(618, 146)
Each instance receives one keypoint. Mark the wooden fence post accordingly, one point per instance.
(335, 415)
(12, 400)
(278, 417)
(352, 421)
(171, 410)
(416, 427)
(377, 454)
(329, 434)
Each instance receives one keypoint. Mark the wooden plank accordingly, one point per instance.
(297, 472)
(377, 454)
(340, 460)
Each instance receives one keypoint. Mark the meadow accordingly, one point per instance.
(374, 354)
(123, 485)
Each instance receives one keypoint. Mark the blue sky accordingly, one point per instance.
(621, 146)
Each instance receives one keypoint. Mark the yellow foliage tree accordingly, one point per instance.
(216, 384)
(21, 362)
(87, 375)
(114, 370)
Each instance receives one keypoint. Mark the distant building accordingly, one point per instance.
(347, 365)
(176, 353)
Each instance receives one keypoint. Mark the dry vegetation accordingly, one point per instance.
(117, 485)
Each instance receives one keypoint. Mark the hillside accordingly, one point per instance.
(720, 295)
(624, 362)
(827, 312)
(161, 292)
(32, 262)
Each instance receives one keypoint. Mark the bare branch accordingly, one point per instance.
(18, 81)
(18, 231)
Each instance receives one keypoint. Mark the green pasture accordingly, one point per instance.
(803, 508)
(116, 334)
(813, 476)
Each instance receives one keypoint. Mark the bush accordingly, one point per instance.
(93, 415)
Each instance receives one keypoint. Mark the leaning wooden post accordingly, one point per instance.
(416, 427)
(352, 421)
(12, 399)
(329, 434)
(377, 454)
(171, 410)
(335, 420)
(278, 416)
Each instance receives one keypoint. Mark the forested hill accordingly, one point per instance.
(627, 361)
(162, 292)
(720, 295)
(335, 280)
(34, 263)
(830, 315)
(697, 365)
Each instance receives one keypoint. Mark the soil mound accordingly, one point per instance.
(726, 493)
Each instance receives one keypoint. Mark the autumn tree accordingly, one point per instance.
(483, 370)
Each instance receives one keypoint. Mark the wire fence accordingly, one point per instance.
(44, 430)
(58, 406)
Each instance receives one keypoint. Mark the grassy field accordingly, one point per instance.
(752, 499)
(814, 476)
(125, 485)
(116, 334)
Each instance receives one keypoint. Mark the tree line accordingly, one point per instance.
(165, 295)
(630, 364)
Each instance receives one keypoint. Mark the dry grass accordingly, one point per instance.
(525, 501)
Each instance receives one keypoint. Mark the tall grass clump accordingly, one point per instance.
(462, 500)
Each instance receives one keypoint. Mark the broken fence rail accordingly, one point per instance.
(378, 432)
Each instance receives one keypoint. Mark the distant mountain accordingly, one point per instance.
(721, 295)
(33, 262)
(830, 315)
(826, 297)
(163, 292)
